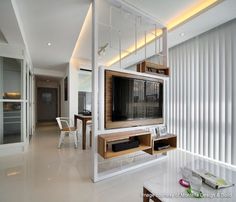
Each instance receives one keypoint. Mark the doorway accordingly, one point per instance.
(47, 104)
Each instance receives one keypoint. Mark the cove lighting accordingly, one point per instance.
(86, 24)
(187, 15)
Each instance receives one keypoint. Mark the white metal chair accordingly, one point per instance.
(65, 127)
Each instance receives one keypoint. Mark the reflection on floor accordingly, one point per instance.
(11, 138)
(46, 123)
(47, 174)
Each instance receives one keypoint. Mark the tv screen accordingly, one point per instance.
(136, 98)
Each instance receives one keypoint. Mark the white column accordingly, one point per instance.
(94, 158)
(73, 90)
(23, 104)
(1, 103)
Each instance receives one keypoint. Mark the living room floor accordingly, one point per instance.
(46, 173)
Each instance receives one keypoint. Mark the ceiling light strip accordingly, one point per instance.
(82, 32)
(191, 13)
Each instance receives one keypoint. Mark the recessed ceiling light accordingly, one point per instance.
(182, 34)
(49, 44)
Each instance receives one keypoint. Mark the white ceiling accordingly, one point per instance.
(60, 22)
(165, 10)
(56, 21)
(9, 29)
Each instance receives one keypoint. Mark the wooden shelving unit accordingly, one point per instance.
(104, 140)
(153, 68)
(167, 139)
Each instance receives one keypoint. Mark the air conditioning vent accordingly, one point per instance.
(2, 38)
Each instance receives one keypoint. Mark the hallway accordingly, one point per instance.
(45, 173)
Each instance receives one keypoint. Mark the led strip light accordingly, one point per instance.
(186, 16)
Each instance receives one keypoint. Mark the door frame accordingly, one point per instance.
(57, 101)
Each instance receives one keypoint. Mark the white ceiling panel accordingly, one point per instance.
(56, 21)
(163, 10)
(9, 28)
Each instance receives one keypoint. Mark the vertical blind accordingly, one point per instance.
(202, 93)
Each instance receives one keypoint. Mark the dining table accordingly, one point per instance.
(84, 119)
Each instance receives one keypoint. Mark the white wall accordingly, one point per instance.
(49, 84)
(7, 50)
(48, 72)
(84, 80)
(73, 90)
(70, 107)
(203, 94)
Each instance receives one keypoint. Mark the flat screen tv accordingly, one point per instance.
(134, 99)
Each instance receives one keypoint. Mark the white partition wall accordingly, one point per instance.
(203, 93)
(110, 38)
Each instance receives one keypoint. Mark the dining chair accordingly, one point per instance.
(66, 128)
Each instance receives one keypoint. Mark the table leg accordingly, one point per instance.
(90, 138)
(84, 135)
(75, 121)
(145, 195)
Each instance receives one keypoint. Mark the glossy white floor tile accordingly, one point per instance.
(46, 174)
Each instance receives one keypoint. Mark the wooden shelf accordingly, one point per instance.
(105, 139)
(111, 154)
(122, 135)
(163, 150)
(146, 143)
(167, 139)
(153, 68)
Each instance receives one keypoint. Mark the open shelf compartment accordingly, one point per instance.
(152, 68)
(104, 140)
(167, 139)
